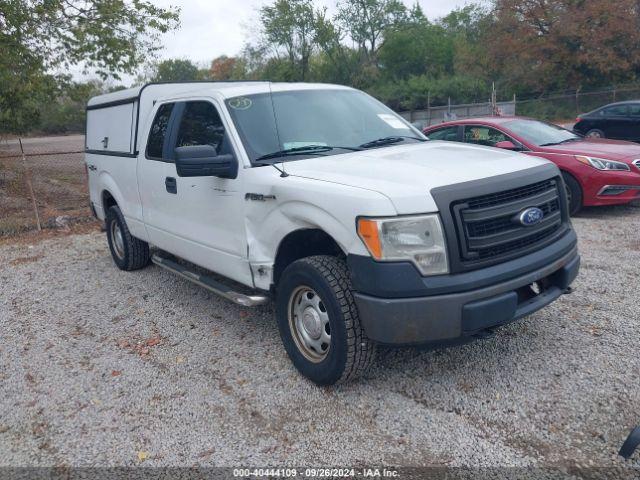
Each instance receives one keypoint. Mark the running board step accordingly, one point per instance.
(209, 283)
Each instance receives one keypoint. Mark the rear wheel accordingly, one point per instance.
(319, 323)
(128, 252)
(574, 193)
(595, 133)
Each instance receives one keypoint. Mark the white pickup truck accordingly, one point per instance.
(320, 197)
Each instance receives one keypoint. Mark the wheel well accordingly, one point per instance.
(301, 244)
(107, 201)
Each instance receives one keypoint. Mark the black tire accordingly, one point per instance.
(574, 193)
(131, 253)
(350, 352)
(595, 133)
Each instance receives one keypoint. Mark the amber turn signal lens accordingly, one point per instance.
(368, 232)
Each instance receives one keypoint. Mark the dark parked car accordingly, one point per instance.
(620, 121)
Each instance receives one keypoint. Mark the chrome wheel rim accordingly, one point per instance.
(309, 324)
(117, 239)
(594, 134)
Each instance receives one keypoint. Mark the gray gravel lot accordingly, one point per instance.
(102, 367)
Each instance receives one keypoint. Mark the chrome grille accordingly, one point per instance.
(489, 225)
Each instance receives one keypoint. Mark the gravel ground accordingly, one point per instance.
(101, 367)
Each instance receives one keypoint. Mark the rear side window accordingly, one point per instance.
(634, 110)
(159, 131)
(449, 134)
(615, 111)
(201, 125)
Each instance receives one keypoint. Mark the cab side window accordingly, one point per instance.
(448, 133)
(158, 131)
(201, 125)
(480, 135)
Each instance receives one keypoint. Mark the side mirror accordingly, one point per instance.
(204, 161)
(507, 145)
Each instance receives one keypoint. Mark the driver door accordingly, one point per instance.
(199, 219)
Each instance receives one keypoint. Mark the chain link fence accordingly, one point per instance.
(561, 108)
(435, 115)
(565, 107)
(43, 183)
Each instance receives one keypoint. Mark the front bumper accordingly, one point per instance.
(467, 305)
(610, 188)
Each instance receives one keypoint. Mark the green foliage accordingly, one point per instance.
(382, 46)
(176, 70)
(417, 49)
(366, 21)
(108, 37)
(289, 26)
(65, 113)
(417, 92)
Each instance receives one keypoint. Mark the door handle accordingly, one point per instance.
(171, 185)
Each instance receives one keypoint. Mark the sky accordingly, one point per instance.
(210, 28)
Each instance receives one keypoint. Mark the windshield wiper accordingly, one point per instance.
(379, 142)
(566, 140)
(307, 149)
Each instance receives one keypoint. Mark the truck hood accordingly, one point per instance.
(407, 173)
(596, 147)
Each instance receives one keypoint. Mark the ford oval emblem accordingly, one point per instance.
(530, 216)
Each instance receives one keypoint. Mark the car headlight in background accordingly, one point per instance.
(418, 239)
(602, 164)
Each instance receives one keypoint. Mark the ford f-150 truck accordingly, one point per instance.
(324, 200)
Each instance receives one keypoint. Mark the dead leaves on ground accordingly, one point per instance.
(140, 347)
(23, 260)
(142, 455)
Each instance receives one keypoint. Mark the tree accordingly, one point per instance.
(289, 25)
(415, 49)
(110, 36)
(337, 62)
(469, 28)
(176, 70)
(366, 21)
(555, 44)
(42, 36)
(227, 68)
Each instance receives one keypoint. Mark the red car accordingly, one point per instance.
(596, 171)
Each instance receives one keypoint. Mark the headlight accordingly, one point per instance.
(417, 239)
(602, 164)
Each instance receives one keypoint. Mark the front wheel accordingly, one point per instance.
(319, 323)
(574, 193)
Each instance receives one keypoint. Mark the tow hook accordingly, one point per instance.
(567, 291)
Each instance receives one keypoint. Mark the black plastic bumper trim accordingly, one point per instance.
(439, 318)
(403, 280)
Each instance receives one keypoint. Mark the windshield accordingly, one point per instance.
(339, 120)
(540, 133)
